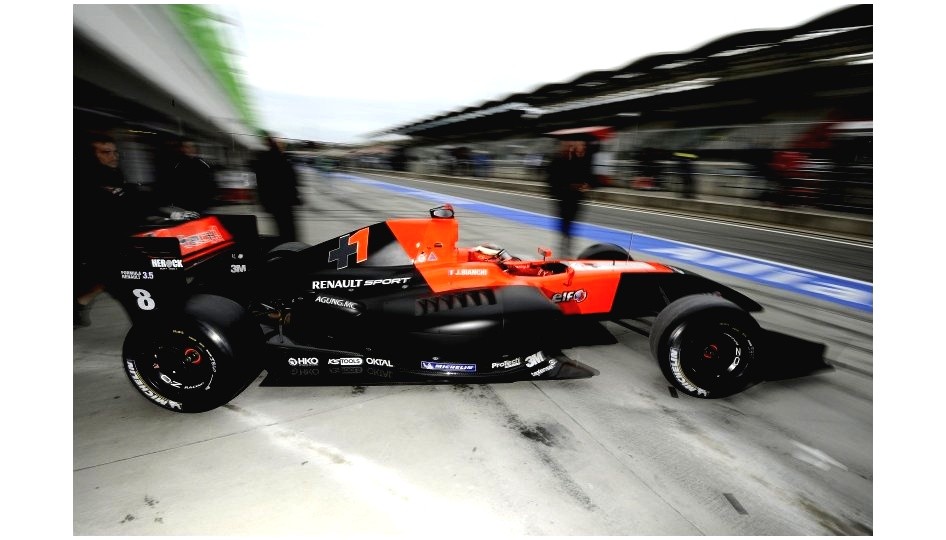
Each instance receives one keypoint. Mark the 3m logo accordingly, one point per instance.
(348, 245)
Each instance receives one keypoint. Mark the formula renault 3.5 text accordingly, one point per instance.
(212, 304)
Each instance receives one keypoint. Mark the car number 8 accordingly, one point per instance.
(145, 301)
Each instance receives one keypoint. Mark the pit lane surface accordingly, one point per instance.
(617, 454)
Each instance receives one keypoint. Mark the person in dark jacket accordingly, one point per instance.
(685, 160)
(106, 209)
(188, 182)
(276, 187)
(570, 176)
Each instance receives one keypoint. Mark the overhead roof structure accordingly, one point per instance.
(830, 54)
(159, 64)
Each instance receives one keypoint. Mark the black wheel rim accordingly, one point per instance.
(713, 357)
(176, 365)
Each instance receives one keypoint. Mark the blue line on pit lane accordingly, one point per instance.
(839, 290)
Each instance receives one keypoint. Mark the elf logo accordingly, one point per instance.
(570, 296)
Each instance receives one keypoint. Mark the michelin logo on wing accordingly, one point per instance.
(441, 366)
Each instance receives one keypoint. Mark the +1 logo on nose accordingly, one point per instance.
(348, 245)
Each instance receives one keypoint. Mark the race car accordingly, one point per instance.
(212, 304)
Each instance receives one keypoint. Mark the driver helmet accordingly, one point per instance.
(485, 252)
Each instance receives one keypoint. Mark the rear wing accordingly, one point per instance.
(155, 266)
(198, 239)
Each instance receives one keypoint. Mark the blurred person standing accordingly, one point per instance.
(650, 169)
(760, 160)
(601, 164)
(570, 176)
(534, 164)
(106, 208)
(480, 163)
(399, 159)
(190, 182)
(276, 185)
(787, 165)
(685, 160)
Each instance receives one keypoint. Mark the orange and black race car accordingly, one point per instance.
(212, 304)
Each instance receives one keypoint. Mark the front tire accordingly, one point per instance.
(706, 346)
(197, 362)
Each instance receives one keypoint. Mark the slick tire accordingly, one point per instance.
(199, 361)
(283, 250)
(604, 252)
(706, 346)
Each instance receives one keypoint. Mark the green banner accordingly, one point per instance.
(199, 25)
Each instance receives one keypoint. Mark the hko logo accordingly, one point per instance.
(311, 361)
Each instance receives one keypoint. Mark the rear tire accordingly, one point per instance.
(706, 346)
(197, 362)
(604, 252)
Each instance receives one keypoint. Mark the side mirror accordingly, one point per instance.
(545, 253)
(442, 212)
